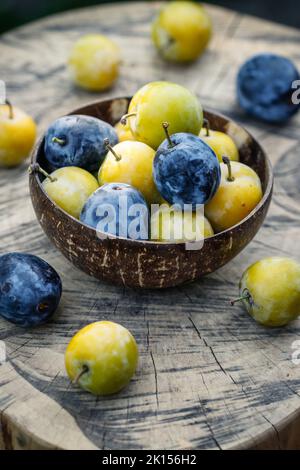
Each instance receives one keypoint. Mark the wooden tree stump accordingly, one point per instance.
(209, 377)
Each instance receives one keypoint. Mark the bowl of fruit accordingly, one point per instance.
(150, 191)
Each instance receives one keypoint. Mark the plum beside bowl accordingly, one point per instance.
(149, 264)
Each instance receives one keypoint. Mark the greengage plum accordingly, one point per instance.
(221, 143)
(270, 291)
(70, 188)
(238, 194)
(163, 101)
(181, 31)
(102, 358)
(131, 162)
(123, 132)
(94, 62)
(17, 135)
(171, 224)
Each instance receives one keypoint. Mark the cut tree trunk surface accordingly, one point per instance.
(209, 377)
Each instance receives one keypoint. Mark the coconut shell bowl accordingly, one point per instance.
(148, 264)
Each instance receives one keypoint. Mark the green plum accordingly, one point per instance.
(17, 135)
(70, 187)
(157, 102)
(172, 224)
(181, 31)
(102, 358)
(221, 143)
(270, 291)
(130, 162)
(123, 132)
(94, 62)
(238, 194)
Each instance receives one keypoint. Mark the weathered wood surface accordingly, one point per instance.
(209, 377)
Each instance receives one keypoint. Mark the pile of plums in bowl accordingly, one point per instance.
(151, 191)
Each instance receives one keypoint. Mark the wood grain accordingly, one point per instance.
(209, 377)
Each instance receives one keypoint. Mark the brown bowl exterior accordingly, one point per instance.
(149, 264)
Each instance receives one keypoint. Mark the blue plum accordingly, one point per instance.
(264, 87)
(30, 289)
(118, 209)
(186, 170)
(78, 141)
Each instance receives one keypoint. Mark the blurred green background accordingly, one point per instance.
(17, 12)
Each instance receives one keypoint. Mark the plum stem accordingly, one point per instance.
(35, 167)
(42, 306)
(246, 296)
(125, 117)
(166, 126)
(10, 109)
(110, 148)
(227, 162)
(83, 371)
(206, 125)
(59, 141)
